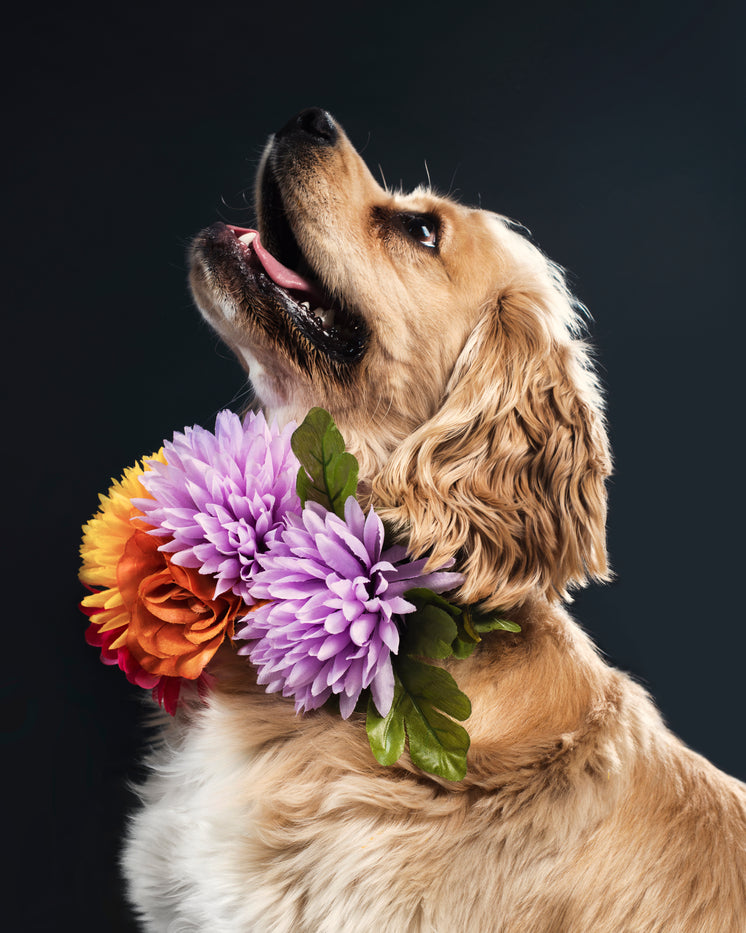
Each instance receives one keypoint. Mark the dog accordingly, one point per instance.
(451, 356)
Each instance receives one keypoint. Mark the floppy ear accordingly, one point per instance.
(508, 475)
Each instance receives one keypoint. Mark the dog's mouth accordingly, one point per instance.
(312, 311)
(284, 280)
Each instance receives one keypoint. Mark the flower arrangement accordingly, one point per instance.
(253, 534)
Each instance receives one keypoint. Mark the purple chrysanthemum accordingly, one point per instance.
(221, 498)
(334, 593)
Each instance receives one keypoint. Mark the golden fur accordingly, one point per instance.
(478, 424)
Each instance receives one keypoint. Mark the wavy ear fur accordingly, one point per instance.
(508, 475)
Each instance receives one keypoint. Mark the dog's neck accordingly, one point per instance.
(516, 721)
(546, 712)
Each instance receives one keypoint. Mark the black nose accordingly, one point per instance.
(314, 125)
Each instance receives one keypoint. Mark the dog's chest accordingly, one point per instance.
(237, 836)
(293, 832)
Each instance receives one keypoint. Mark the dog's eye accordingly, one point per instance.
(421, 227)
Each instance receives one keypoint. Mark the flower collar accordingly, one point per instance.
(254, 534)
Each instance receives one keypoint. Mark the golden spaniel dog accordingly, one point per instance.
(449, 352)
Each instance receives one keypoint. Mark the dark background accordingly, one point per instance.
(614, 131)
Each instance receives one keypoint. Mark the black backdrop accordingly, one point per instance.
(613, 130)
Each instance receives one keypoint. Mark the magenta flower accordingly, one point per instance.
(221, 498)
(330, 625)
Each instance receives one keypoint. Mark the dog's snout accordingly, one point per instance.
(313, 125)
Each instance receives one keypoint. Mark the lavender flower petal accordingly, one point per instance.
(337, 595)
(223, 497)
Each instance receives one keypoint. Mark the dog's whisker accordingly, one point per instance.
(453, 178)
(243, 398)
(372, 417)
(388, 408)
(365, 144)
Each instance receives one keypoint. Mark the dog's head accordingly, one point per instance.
(443, 343)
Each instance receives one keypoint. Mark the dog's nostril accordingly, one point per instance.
(317, 122)
(313, 122)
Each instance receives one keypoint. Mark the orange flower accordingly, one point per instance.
(176, 624)
(158, 622)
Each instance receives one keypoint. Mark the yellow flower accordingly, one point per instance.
(105, 538)
(106, 534)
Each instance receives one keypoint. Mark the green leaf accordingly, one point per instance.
(386, 733)
(468, 638)
(433, 684)
(433, 629)
(462, 648)
(328, 474)
(437, 744)
(427, 629)
(429, 632)
(491, 625)
(421, 596)
(304, 486)
(469, 633)
(422, 695)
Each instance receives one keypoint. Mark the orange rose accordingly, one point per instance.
(176, 623)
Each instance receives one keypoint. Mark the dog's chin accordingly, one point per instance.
(248, 293)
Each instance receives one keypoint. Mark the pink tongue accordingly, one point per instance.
(279, 274)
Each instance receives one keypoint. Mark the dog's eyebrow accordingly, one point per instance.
(392, 216)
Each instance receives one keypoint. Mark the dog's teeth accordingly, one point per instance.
(247, 238)
(306, 305)
(325, 315)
